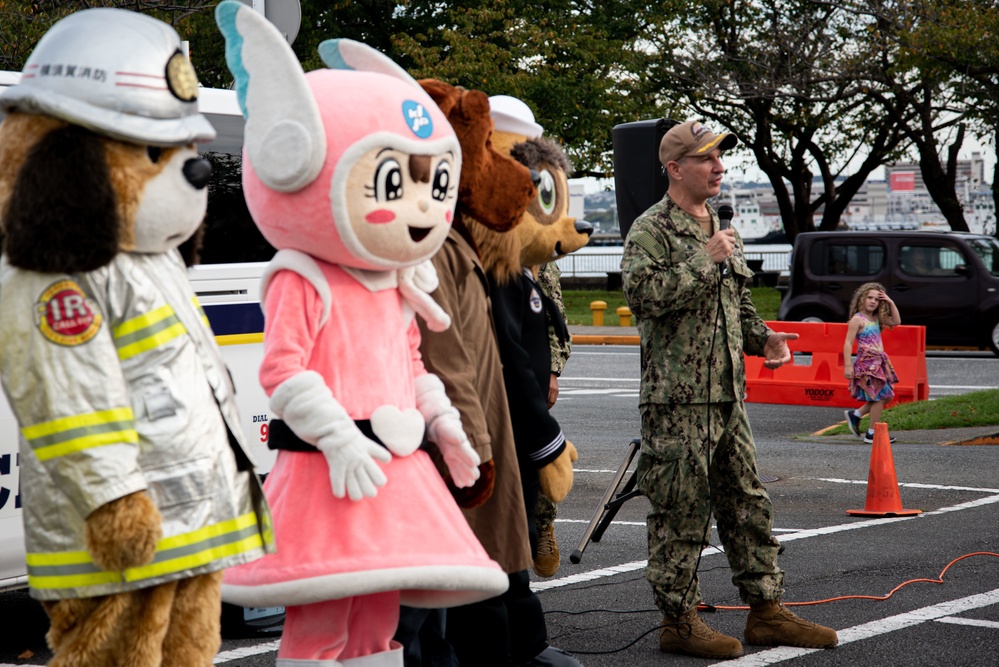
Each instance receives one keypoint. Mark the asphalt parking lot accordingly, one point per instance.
(601, 608)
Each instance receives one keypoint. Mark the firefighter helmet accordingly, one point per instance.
(116, 72)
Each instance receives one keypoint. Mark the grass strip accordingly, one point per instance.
(977, 408)
(577, 304)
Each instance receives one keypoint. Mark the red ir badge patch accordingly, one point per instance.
(64, 316)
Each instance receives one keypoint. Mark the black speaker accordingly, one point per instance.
(639, 179)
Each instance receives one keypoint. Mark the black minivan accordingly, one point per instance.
(945, 281)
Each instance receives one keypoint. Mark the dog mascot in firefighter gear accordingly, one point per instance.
(135, 485)
(351, 173)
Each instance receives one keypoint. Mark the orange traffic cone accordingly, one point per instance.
(882, 485)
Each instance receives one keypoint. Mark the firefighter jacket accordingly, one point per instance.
(118, 386)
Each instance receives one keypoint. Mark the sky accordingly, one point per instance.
(741, 167)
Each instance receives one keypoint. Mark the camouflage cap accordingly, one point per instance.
(692, 138)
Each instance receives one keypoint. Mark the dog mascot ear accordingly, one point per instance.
(351, 172)
(135, 485)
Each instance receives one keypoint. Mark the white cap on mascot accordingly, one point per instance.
(513, 116)
(134, 84)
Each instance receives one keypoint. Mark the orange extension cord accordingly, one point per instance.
(879, 598)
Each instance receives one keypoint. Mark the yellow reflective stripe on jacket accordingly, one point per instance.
(201, 311)
(145, 332)
(76, 569)
(78, 432)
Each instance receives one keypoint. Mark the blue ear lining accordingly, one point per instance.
(225, 17)
(329, 51)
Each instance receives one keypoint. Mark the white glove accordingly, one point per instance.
(444, 429)
(415, 285)
(307, 406)
(425, 276)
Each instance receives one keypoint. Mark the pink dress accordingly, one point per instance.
(873, 374)
(412, 536)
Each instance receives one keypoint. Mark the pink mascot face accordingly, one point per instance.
(407, 204)
(385, 194)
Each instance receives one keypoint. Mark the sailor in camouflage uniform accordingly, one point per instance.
(685, 281)
(547, 560)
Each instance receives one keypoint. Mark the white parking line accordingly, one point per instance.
(616, 523)
(966, 387)
(873, 629)
(978, 623)
(788, 537)
(943, 612)
(245, 652)
(587, 392)
(914, 485)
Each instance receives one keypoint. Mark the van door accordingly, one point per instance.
(933, 283)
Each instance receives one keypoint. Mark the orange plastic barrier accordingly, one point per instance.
(819, 380)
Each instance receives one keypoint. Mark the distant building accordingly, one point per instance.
(900, 201)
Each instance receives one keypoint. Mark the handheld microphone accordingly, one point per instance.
(725, 215)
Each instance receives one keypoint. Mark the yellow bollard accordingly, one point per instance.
(624, 313)
(598, 308)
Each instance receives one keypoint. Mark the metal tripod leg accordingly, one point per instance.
(607, 509)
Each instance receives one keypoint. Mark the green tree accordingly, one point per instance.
(580, 65)
(956, 40)
(23, 22)
(917, 93)
(577, 64)
(786, 77)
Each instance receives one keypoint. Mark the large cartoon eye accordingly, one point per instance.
(388, 180)
(442, 181)
(546, 192)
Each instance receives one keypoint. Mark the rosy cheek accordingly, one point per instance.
(381, 216)
(447, 217)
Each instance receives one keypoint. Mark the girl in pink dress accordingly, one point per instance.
(871, 375)
(352, 174)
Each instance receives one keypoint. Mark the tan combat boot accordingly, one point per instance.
(770, 623)
(547, 561)
(690, 635)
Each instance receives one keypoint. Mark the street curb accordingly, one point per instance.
(979, 440)
(982, 439)
(593, 339)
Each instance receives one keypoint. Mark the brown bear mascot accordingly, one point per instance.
(136, 488)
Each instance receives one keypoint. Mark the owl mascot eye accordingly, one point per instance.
(135, 486)
(351, 172)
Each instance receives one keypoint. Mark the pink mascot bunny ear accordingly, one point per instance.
(284, 137)
(348, 54)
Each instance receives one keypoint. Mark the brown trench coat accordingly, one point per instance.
(466, 359)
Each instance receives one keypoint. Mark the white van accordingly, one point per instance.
(230, 296)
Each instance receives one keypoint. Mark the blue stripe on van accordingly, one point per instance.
(235, 318)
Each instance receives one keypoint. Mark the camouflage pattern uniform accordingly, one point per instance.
(698, 454)
(549, 279)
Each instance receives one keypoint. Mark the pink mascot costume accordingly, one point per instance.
(352, 173)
